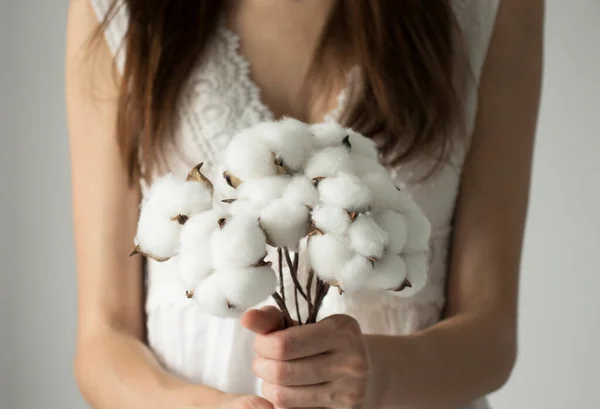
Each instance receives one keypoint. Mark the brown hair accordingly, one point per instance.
(409, 99)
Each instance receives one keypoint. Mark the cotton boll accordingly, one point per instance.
(247, 158)
(389, 274)
(263, 191)
(354, 275)
(331, 219)
(244, 208)
(419, 226)
(195, 198)
(417, 266)
(284, 223)
(367, 237)
(301, 190)
(164, 197)
(328, 134)
(385, 194)
(329, 162)
(345, 191)
(195, 256)
(211, 298)
(327, 254)
(157, 236)
(362, 146)
(363, 166)
(291, 140)
(239, 243)
(245, 288)
(396, 225)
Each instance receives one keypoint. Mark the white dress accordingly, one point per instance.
(221, 100)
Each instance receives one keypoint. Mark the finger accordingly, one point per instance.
(264, 320)
(248, 402)
(297, 342)
(330, 395)
(300, 372)
(298, 396)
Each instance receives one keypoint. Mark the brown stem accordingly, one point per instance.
(280, 265)
(287, 318)
(322, 289)
(311, 275)
(297, 306)
(293, 266)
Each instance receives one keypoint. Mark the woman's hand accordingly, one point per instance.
(318, 365)
(245, 402)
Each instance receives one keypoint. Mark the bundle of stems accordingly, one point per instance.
(313, 301)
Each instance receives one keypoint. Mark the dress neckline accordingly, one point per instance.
(233, 45)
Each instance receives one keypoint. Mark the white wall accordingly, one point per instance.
(559, 327)
(37, 282)
(559, 359)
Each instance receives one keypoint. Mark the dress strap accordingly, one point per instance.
(477, 19)
(116, 29)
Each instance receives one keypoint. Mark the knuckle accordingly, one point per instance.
(357, 366)
(280, 373)
(278, 397)
(282, 346)
(346, 325)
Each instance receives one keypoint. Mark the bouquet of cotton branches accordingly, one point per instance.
(294, 183)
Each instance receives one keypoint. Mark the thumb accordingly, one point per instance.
(263, 321)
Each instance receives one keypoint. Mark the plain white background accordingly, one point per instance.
(559, 362)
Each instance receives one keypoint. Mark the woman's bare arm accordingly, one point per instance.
(472, 352)
(114, 368)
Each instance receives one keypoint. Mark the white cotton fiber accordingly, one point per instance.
(263, 191)
(354, 275)
(327, 254)
(157, 236)
(362, 146)
(195, 256)
(419, 226)
(331, 219)
(285, 223)
(247, 158)
(367, 237)
(239, 243)
(345, 191)
(291, 141)
(396, 225)
(301, 190)
(328, 134)
(245, 288)
(362, 166)
(244, 208)
(210, 298)
(389, 274)
(195, 198)
(385, 195)
(328, 162)
(165, 197)
(417, 266)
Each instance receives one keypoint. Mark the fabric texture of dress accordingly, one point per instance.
(220, 100)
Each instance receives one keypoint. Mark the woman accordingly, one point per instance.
(449, 90)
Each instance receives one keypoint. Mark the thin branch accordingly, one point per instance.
(311, 275)
(287, 319)
(293, 266)
(322, 289)
(297, 306)
(280, 265)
